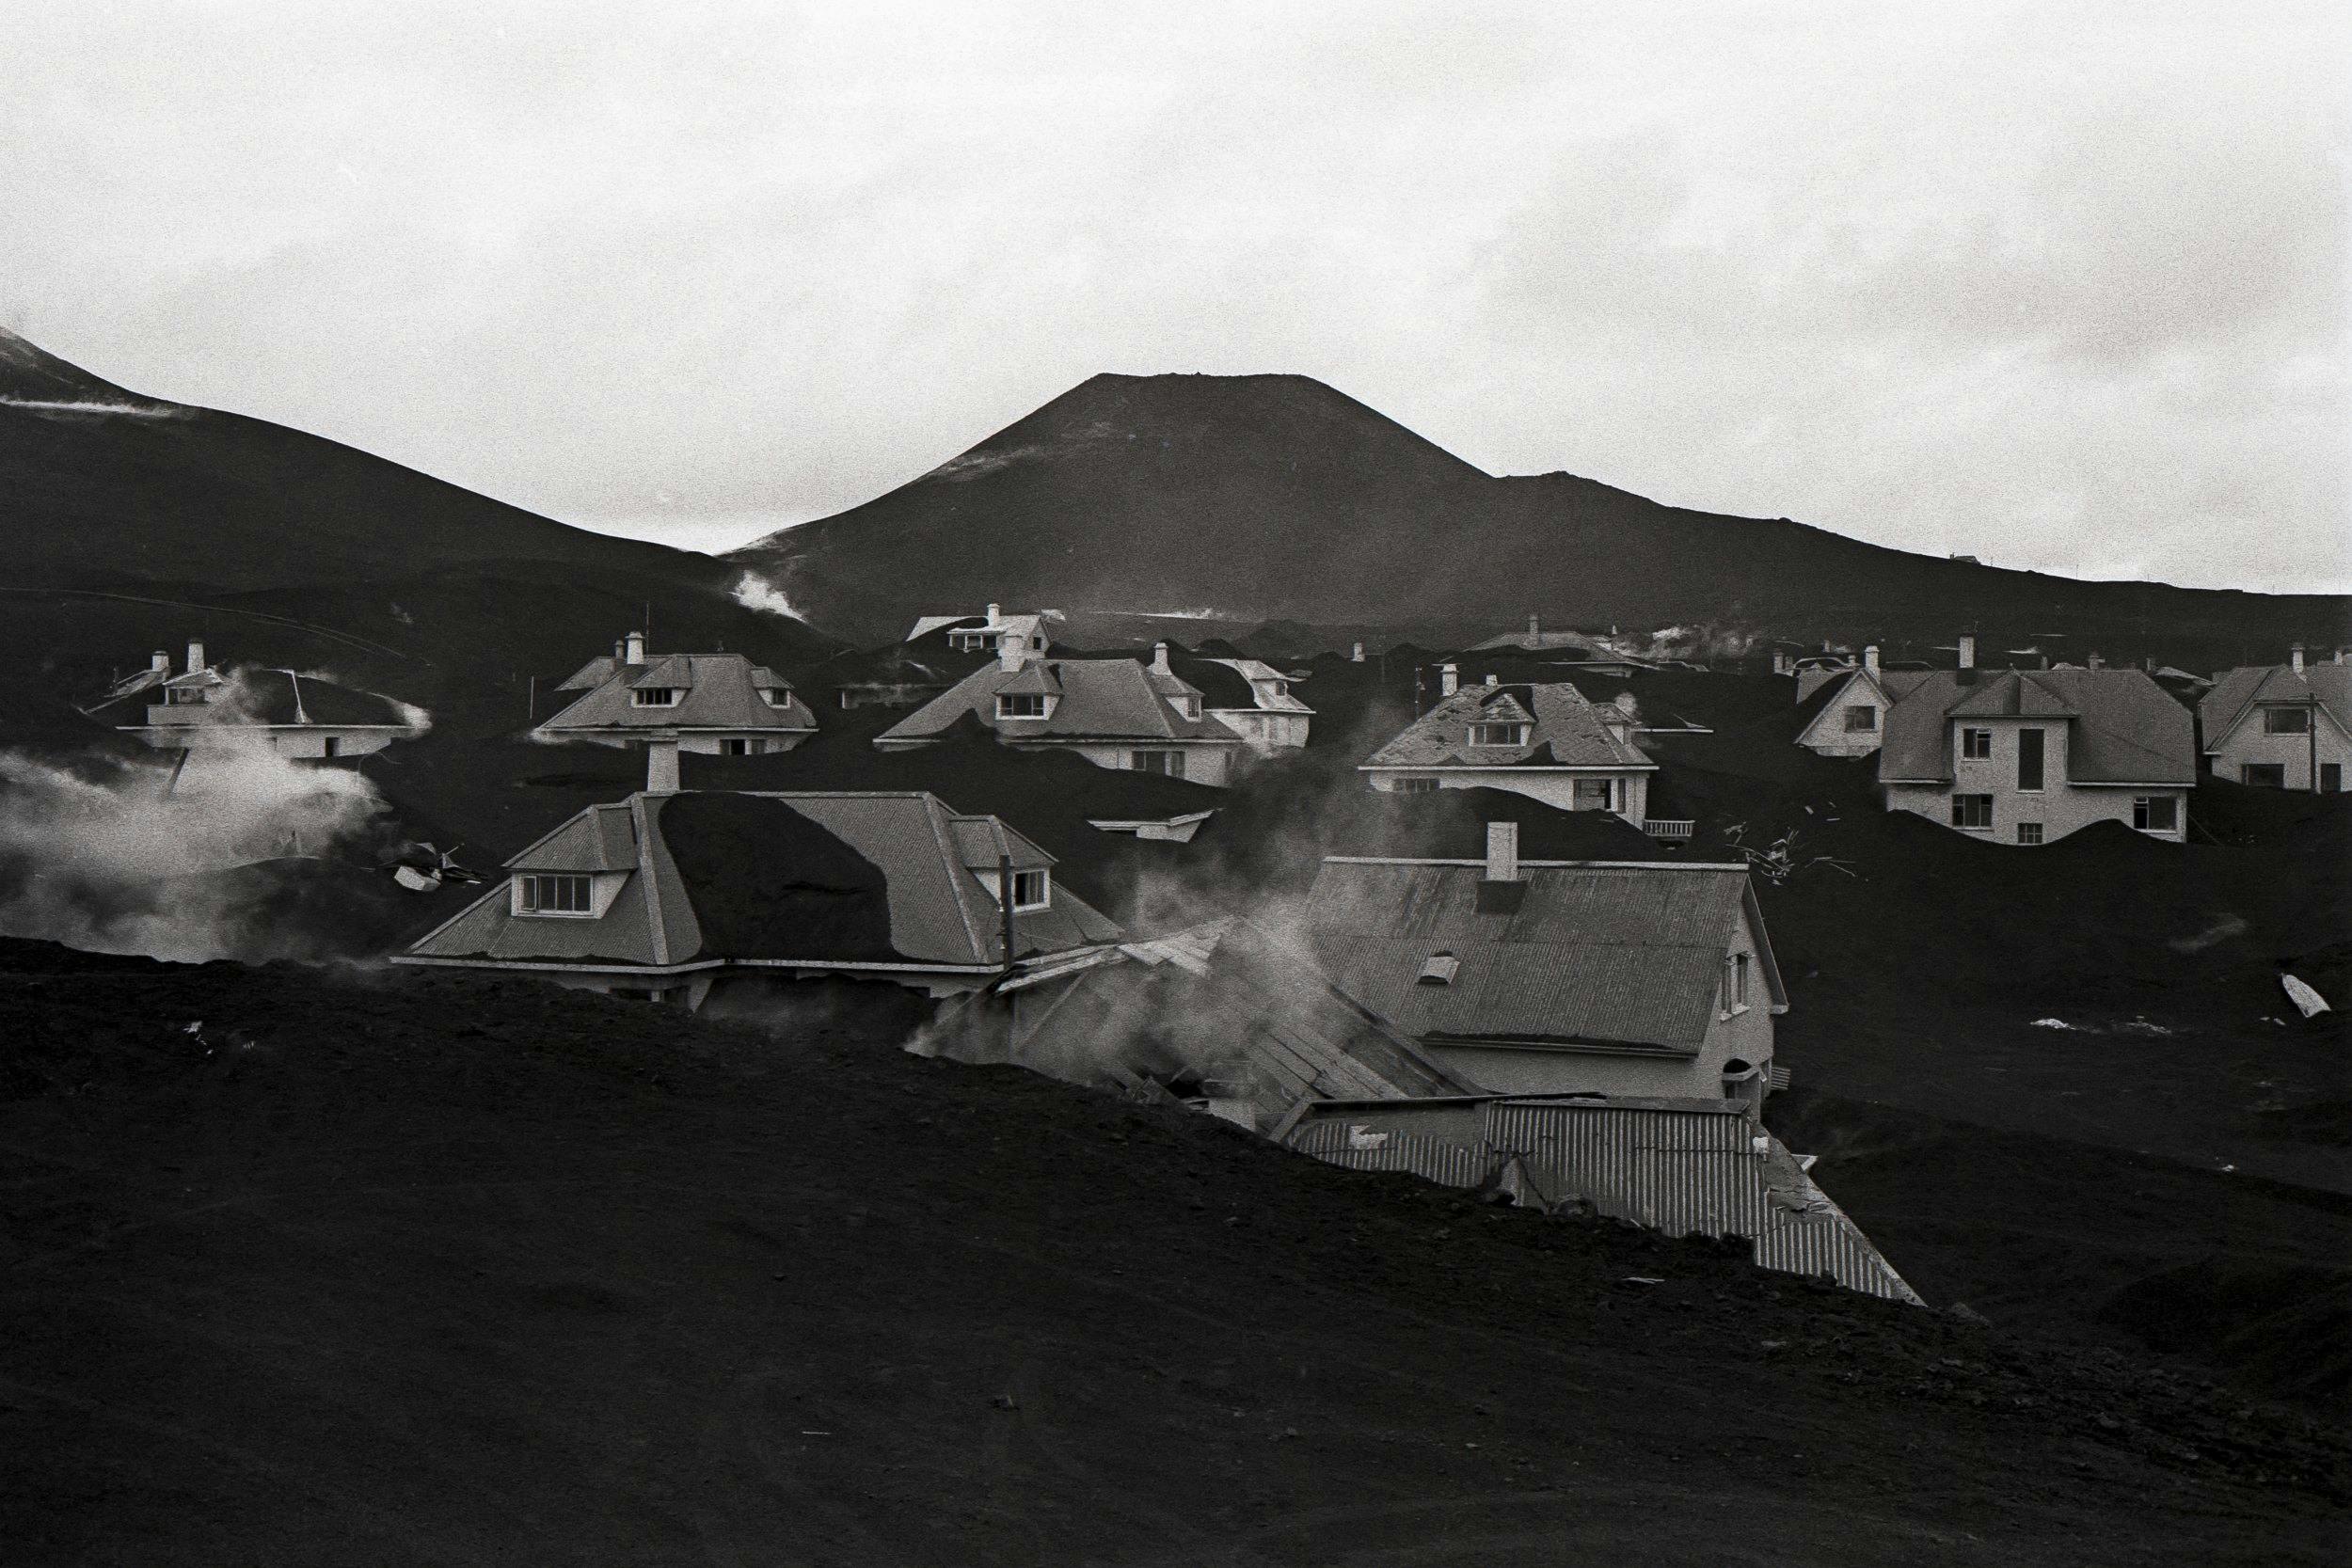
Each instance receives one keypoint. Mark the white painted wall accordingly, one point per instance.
(2290, 752)
(2061, 808)
(1631, 789)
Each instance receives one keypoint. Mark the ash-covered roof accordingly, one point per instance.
(2122, 727)
(1111, 699)
(853, 877)
(251, 694)
(716, 691)
(1589, 954)
(1566, 730)
(2238, 692)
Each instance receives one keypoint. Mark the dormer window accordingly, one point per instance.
(653, 696)
(1188, 706)
(1498, 735)
(1021, 704)
(554, 893)
(1439, 969)
(1032, 890)
(775, 696)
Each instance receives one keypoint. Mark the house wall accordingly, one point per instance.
(2061, 808)
(1827, 736)
(1262, 731)
(2290, 752)
(702, 745)
(1206, 765)
(1554, 790)
(305, 741)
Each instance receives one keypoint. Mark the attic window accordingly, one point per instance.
(1021, 704)
(187, 694)
(1498, 735)
(1032, 890)
(1439, 969)
(1188, 706)
(1862, 717)
(554, 893)
(775, 696)
(653, 696)
(2286, 721)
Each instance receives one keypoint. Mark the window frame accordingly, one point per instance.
(2275, 715)
(1516, 732)
(1045, 885)
(1005, 700)
(2143, 810)
(655, 696)
(1961, 807)
(2036, 752)
(528, 895)
(1970, 738)
(2275, 775)
(2030, 828)
(1868, 713)
(1171, 763)
(1417, 784)
(1733, 1000)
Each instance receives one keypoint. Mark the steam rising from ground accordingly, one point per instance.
(116, 855)
(753, 591)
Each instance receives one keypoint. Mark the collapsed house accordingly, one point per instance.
(1683, 1167)
(1653, 977)
(665, 704)
(1545, 741)
(282, 711)
(717, 899)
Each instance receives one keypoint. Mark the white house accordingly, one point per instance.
(720, 704)
(1116, 713)
(287, 712)
(1546, 741)
(1251, 698)
(989, 633)
(1559, 977)
(1848, 707)
(672, 897)
(2285, 726)
(2028, 757)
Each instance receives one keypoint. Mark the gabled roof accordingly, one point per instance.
(1027, 625)
(865, 878)
(1592, 953)
(716, 691)
(1566, 731)
(1111, 699)
(2238, 692)
(2122, 727)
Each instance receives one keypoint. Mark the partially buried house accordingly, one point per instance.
(1645, 979)
(668, 702)
(1545, 741)
(718, 898)
(285, 711)
(2281, 726)
(1116, 713)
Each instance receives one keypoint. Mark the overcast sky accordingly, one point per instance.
(2059, 286)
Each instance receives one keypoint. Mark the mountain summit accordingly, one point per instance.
(1259, 498)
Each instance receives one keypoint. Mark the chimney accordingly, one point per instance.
(2339, 654)
(1870, 658)
(2097, 661)
(1356, 653)
(1534, 630)
(1502, 852)
(1159, 658)
(993, 615)
(662, 767)
(1011, 651)
(196, 656)
(1968, 650)
(2294, 657)
(1449, 680)
(633, 648)
(1493, 680)
(159, 662)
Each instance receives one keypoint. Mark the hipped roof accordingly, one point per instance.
(716, 691)
(1110, 699)
(1566, 731)
(2122, 727)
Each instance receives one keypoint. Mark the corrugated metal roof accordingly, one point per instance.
(1626, 954)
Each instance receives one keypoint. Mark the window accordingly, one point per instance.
(2331, 778)
(775, 696)
(1030, 890)
(2156, 814)
(1169, 763)
(1498, 735)
(1734, 983)
(186, 694)
(1863, 719)
(1972, 811)
(556, 893)
(332, 746)
(1975, 744)
(738, 746)
(653, 696)
(2029, 758)
(1439, 969)
(2028, 833)
(2266, 775)
(2286, 721)
(1417, 786)
(1188, 706)
(1590, 795)
(1021, 704)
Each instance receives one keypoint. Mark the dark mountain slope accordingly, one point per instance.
(1273, 497)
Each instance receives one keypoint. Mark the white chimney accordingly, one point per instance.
(1533, 630)
(1493, 680)
(1968, 650)
(633, 648)
(1011, 651)
(2097, 659)
(1449, 680)
(2294, 657)
(1159, 657)
(2339, 654)
(196, 656)
(1870, 658)
(160, 662)
(1356, 653)
(992, 612)
(662, 767)
(1502, 852)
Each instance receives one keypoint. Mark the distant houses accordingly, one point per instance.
(664, 703)
(988, 633)
(1116, 713)
(1559, 977)
(723, 898)
(284, 711)
(2281, 726)
(2028, 757)
(1546, 741)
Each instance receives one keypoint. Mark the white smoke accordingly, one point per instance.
(121, 856)
(753, 591)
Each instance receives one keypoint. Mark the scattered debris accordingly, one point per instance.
(2307, 1001)
(2053, 1024)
